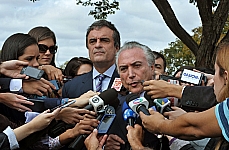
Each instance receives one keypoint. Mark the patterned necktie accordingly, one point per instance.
(99, 84)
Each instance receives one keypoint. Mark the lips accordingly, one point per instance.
(134, 83)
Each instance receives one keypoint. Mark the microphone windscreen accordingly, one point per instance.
(149, 99)
(124, 107)
(110, 97)
(131, 97)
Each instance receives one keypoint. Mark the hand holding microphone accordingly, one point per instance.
(97, 103)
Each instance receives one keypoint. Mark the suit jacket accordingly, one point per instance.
(5, 84)
(4, 142)
(81, 84)
(198, 98)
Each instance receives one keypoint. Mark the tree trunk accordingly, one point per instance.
(213, 24)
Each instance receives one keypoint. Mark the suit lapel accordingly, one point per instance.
(114, 75)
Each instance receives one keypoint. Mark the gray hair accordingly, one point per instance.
(133, 44)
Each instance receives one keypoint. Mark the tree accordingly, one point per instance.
(212, 26)
(101, 8)
(178, 54)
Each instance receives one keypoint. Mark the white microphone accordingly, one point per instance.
(97, 103)
(138, 104)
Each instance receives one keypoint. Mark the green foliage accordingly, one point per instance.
(33, 0)
(177, 55)
(64, 65)
(101, 7)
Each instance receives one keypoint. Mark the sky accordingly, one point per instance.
(137, 20)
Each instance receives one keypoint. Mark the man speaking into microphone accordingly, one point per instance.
(135, 64)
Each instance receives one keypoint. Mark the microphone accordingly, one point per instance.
(97, 102)
(128, 114)
(163, 105)
(137, 103)
(109, 97)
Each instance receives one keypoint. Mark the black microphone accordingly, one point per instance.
(103, 98)
(109, 97)
(137, 103)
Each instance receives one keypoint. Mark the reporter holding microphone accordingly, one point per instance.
(211, 123)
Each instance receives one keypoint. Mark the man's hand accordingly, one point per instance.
(93, 143)
(85, 126)
(175, 113)
(72, 115)
(13, 68)
(152, 122)
(83, 100)
(52, 72)
(43, 120)
(113, 142)
(39, 87)
(135, 136)
(161, 89)
(15, 101)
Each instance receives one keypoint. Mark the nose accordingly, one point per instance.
(131, 73)
(35, 64)
(98, 43)
(47, 52)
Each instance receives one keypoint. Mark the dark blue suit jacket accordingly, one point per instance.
(84, 83)
(81, 84)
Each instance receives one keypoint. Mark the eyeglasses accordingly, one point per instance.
(43, 48)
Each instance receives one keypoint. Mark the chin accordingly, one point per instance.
(136, 90)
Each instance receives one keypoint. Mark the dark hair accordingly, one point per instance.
(103, 23)
(74, 64)
(15, 45)
(43, 33)
(159, 55)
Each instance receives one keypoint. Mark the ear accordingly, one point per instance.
(153, 68)
(226, 76)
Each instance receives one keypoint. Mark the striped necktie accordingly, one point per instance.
(99, 84)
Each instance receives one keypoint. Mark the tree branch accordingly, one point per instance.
(172, 22)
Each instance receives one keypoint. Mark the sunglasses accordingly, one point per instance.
(43, 48)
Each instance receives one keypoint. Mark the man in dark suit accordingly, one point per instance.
(102, 41)
(135, 63)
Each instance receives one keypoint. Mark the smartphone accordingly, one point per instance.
(193, 77)
(38, 106)
(63, 105)
(56, 84)
(167, 78)
(105, 123)
(32, 72)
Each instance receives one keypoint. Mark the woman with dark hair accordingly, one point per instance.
(23, 47)
(19, 44)
(77, 66)
(46, 40)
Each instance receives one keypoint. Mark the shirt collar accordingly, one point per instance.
(107, 73)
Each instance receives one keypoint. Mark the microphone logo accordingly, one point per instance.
(95, 100)
(138, 101)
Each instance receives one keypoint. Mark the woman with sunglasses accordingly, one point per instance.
(46, 40)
